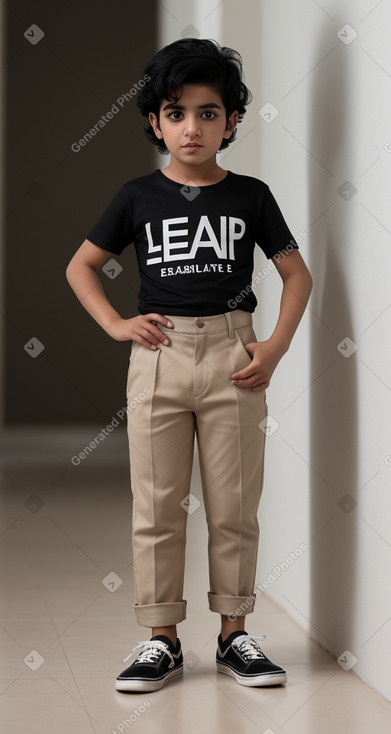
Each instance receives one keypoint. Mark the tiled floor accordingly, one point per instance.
(64, 528)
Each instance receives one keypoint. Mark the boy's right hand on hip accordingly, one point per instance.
(141, 329)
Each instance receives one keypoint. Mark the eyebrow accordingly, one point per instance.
(173, 106)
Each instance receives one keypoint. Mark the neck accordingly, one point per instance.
(202, 175)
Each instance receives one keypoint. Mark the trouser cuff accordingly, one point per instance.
(161, 614)
(233, 606)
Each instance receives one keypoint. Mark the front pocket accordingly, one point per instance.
(241, 357)
(132, 358)
(133, 352)
(246, 335)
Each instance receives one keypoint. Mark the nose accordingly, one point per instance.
(191, 127)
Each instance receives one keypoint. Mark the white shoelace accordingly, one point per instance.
(248, 647)
(150, 652)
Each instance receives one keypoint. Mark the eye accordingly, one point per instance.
(177, 115)
(175, 112)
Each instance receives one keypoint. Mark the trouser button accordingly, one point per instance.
(200, 323)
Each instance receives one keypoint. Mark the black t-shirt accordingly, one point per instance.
(194, 245)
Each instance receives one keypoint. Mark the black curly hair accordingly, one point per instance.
(197, 61)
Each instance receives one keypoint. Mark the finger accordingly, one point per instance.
(243, 374)
(160, 319)
(242, 383)
(144, 343)
(245, 384)
(154, 335)
(160, 336)
(259, 388)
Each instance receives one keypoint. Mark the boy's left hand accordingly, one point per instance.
(265, 358)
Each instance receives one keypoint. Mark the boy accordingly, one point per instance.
(195, 363)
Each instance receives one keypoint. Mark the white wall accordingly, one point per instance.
(334, 411)
(334, 438)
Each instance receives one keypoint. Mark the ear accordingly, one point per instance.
(231, 124)
(155, 124)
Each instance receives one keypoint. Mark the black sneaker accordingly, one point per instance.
(155, 662)
(241, 656)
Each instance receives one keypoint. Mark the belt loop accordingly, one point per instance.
(231, 331)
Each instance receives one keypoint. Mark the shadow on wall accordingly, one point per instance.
(333, 413)
(60, 367)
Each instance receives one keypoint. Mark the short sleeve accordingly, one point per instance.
(114, 230)
(272, 232)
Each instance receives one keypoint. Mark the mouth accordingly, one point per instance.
(192, 145)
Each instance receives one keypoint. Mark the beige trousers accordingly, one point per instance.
(174, 394)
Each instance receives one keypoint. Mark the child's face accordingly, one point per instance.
(198, 117)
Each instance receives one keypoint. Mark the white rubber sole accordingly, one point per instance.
(147, 685)
(260, 680)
